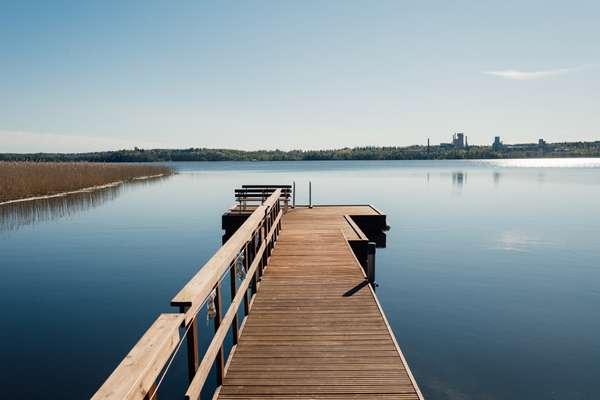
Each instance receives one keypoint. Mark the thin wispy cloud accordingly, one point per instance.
(518, 75)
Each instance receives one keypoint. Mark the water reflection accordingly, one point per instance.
(496, 177)
(541, 177)
(519, 241)
(17, 215)
(459, 179)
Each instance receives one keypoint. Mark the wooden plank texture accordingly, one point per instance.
(316, 330)
(137, 373)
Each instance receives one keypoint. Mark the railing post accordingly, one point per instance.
(261, 264)
(275, 231)
(269, 222)
(220, 360)
(279, 225)
(294, 194)
(246, 266)
(309, 194)
(233, 287)
(193, 356)
(254, 282)
(276, 211)
(266, 234)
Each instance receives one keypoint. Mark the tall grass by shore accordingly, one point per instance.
(19, 180)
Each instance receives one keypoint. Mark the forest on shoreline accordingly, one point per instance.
(566, 149)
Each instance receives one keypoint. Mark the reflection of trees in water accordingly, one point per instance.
(17, 215)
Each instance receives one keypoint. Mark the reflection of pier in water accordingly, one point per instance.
(17, 215)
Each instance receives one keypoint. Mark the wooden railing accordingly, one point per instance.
(244, 255)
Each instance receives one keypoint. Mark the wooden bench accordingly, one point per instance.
(259, 193)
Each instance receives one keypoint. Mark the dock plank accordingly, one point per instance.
(316, 330)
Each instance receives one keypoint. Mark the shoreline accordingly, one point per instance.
(82, 190)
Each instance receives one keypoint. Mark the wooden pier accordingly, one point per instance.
(312, 328)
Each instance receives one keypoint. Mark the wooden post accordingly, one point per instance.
(294, 194)
(254, 282)
(279, 226)
(265, 232)
(246, 266)
(265, 252)
(233, 287)
(192, 346)
(371, 263)
(309, 194)
(220, 360)
(260, 240)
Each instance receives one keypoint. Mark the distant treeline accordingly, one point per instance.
(567, 149)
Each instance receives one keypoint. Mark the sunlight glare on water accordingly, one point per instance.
(544, 163)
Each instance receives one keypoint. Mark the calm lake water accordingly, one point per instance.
(490, 278)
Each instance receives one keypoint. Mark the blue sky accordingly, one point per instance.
(82, 76)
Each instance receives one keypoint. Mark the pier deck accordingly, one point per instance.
(316, 329)
(311, 325)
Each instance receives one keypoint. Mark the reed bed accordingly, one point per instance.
(20, 180)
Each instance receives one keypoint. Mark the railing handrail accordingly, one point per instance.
(272, 199)
(216, 344)
(197, 290)
(137, 375)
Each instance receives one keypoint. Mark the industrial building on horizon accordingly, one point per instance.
(497, 145)
(459, 141)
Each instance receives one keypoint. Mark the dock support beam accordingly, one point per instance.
(371, 263)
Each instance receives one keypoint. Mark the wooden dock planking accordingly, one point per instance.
(316, 330)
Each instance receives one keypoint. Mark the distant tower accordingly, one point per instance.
(466, 143)
(497, 145)
(427, 145)
(460, 140)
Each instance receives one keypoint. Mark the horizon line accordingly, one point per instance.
(136, 148)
